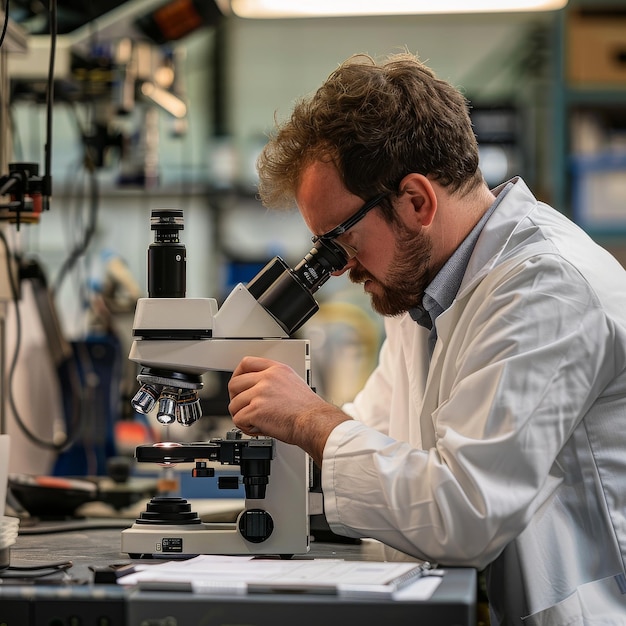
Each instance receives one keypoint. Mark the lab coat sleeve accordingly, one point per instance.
(523, 362)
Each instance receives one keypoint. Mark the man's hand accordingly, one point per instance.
(269, 398)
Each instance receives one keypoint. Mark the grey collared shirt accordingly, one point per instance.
(442, 290)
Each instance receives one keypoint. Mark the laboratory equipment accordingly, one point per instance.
(175, 340)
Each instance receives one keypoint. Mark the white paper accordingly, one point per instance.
(240, 575)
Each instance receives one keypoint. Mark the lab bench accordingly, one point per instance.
(85, 595)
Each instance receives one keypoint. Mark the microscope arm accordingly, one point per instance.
(198, 357)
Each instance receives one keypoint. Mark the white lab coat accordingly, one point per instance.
(508, 449)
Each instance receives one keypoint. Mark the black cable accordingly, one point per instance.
(81, 394)
(12, 179)
(73, 436)
(33, 568)
(6, 22)
(81, 247)
(30, 572)
(47, 178)
(69, 527)
(42, 443)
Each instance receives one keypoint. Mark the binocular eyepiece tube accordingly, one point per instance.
(287, 294)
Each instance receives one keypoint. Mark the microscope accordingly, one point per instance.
(177, 339)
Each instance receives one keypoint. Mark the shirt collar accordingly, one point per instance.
(442, 290)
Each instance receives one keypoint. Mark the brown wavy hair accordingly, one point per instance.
(377, 122)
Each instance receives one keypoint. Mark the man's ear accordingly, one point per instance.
(422, 197)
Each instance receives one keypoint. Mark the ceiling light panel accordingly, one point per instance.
(269, 9)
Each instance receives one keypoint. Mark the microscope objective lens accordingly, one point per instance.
(145, 399)
(167, 410)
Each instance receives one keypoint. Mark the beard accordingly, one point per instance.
(407, 278)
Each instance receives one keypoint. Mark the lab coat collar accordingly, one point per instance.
(499, 231)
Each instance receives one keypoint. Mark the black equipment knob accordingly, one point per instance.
(256, 525)
(202, 471)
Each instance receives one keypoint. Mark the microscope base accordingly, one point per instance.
(277, 524)
(162, 541)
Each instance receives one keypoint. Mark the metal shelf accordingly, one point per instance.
(568, 97)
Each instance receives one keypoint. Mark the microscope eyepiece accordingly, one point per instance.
(166, 223)
(167, 273)
(316, 267)
(287, 294)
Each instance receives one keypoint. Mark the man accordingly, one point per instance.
(493, 431)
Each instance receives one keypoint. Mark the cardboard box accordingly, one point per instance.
(596, 48)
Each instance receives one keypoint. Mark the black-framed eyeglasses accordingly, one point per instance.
(352, 220)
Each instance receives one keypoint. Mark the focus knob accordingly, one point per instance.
(256, 525)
